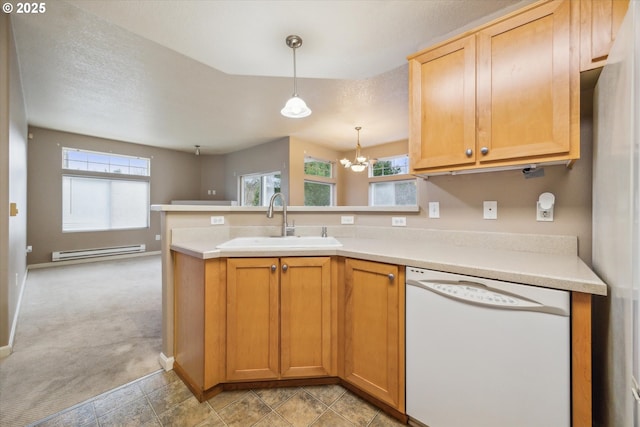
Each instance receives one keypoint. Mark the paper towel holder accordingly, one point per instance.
(544, 208)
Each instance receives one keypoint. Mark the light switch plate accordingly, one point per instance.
(434, 209)
(490, 209)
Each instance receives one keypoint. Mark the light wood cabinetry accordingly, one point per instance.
(199, 320)
(599, 24)
(253, 322)
(279, 318)
(308, 325)
(373, 336)
(505, 94)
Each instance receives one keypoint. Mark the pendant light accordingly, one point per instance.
(360, 163)
(295, 107)
(197, 150)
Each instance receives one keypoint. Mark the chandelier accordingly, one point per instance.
(360, 163)
(295, 107)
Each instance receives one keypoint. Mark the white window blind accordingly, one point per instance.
(93, 204)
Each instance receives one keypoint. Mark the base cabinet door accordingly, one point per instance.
(280, 320)
(374, 329)
(306, 340)
(253, 338)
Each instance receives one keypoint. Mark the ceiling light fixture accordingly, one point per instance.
(360, 163)
(295, 107)
(197, 150)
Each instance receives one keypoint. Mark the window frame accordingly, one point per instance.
(331, 185)
(104, 175)
(317, 178)
(391, 159)
(391, 181)
(110, 156)
(264, 200)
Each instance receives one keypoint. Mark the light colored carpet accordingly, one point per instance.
(82, 330)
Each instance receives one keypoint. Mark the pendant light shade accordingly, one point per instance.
(295, 107)
(360, 162)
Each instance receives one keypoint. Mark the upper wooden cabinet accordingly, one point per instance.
(599, 24)
(505, 94)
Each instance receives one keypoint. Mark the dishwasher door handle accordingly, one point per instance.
(479, 294)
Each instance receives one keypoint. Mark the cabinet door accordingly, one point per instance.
(443, 106)
(374, 329)
(252, 318)
(305, 310)
(599, 23)
(524, 93)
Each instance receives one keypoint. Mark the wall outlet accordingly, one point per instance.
(217, 220)
(211, 192)
(157, 237)
(347, 219)
(399, 221)
(29, 249)
(490, 209)
(434, 209)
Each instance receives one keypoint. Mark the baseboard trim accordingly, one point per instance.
(94, 259)
(5, 351)
(8, 349)
(166, 362)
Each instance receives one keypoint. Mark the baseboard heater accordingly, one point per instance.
(97, 252)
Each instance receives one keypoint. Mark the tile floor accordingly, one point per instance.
(161, 399)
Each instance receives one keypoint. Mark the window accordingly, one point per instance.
(257, 189)
(93, 161)
(95, 204)
(320, 190)
(316, 167)
(96, 195)
(318, 193)
(393, 193)
(389, 166)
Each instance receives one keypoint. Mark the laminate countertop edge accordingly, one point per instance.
(555, 271)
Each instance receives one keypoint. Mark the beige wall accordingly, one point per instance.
(269, 157)
(298, 149)
(13, 182)
(212, 177)
(174, 176)
(353, 187)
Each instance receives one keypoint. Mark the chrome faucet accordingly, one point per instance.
(286, 229)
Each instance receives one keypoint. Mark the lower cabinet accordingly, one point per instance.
(323, 319)
(373, 335)
(199, 321)
(279, 318)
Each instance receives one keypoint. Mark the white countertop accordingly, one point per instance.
(557, 271)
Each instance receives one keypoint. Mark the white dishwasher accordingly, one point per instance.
(486, 353)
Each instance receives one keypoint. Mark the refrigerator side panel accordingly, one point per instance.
(613, 224)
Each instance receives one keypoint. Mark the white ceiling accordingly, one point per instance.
(175, 74)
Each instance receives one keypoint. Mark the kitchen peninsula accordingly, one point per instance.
(190, 254)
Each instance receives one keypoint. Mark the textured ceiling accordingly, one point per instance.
(216, 73)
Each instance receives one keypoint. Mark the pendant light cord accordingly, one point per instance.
(295, 85)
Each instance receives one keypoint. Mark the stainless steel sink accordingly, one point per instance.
(298, 242)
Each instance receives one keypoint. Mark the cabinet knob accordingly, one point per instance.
(484, 150)
(285, 267)
(469, 152)
(391, 277)
(273, 267)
